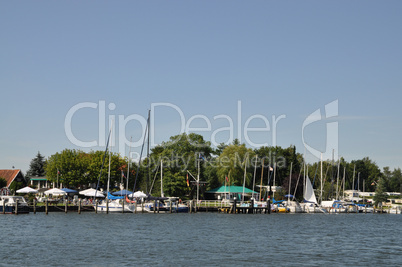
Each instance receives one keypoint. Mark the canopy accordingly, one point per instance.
(26, 190)
(138, 194)
(110, 196)
(68, 190)
(92, 193)
(55, 191)
(122, 193)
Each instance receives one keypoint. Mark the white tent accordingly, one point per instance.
(55, 192)
(138, 194)
(26, 190)
(92, 193)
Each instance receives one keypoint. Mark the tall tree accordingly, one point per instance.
(380, 195)
(37, 166)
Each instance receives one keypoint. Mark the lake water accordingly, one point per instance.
(90, 239)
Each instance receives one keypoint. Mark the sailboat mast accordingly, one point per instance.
(344, 172)
(149, 133)
(128, 166)
(353, 186)
(162, 194)
(273, 194)
(255, 170)
(337, 180)
(290, 181)
(244, 179)
(262, 174)
(321, 182)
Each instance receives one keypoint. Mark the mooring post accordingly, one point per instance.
(157, 202)
(34, 205)
(123, 205)
(96, 206)
(16, 207)
(252, 206)
(65, 205)
(4, 207)
(79, 206)
(170, 206)
(46, 207)
(191, 206)
(142, 207)
(234, 205)
(269, 205)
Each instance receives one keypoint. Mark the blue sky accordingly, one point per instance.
(206, 58)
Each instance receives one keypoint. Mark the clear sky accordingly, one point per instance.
(206, 61)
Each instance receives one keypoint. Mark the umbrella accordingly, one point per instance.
(83, 192)
(68, 190)
(122, 193)
(92, 193)
(138, 194)
(27, 190)
(55, 191)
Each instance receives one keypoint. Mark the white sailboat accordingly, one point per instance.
(110, 203)
(310, 204)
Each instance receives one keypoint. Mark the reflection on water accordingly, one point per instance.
(90, 239)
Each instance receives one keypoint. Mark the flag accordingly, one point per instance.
(188, 184)
(227, 179)
(122, 175)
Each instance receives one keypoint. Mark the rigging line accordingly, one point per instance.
(294, 195)
(153, 182)
(139, 163)
(103, 161)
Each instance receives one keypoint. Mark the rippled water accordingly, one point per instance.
(90, 239)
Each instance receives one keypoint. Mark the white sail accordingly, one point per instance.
(309, 195)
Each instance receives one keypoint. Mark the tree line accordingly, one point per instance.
(186, 157)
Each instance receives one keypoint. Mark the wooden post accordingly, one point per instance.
(34, 205)
(16, 207)
(123, 205)
(135, 207)
(269, 206)
(234, 206)
(65, 205)
(46, 207)
(170, 206)
(4, 206)
(96, 206)
(157, 202)
(191, 206)
(252, 206)
(79, 206)
(107, 206)
(142, 207)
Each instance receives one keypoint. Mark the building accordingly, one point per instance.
(11, 176)
(230, 192)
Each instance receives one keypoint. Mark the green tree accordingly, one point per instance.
(37, 166)
(231, 163)
(3, 182)
(380, 195)
(181, 154)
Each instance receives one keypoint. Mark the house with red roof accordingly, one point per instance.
(11, 176)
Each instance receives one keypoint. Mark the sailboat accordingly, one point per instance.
(110, 203)
(310, 204)
(291, 205)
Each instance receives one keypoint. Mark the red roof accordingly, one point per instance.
(9, 175)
